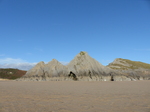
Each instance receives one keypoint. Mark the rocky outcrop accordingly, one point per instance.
(85, 68)
(81, 68)
(53, 70)
(36, 70)
(88, 69)
(134, 69)
(82, 64)
(35, 73)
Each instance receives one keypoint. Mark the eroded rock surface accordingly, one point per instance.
(85, 68)
(134, 69)
(53, 70)
(88, 69)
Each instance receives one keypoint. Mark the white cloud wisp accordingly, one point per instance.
(16, 63)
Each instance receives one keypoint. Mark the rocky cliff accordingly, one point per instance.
(53, 70)
(85, 68)
(134, 69)
(88, 69)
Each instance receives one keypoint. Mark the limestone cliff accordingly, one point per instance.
(135, 69)
(85, 68)
(53, 70)
(37, 70)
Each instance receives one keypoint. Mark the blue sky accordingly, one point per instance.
(40, 30)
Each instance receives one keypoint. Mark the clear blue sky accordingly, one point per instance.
(40, 30)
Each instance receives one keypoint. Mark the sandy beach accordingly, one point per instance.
(74, 96)
(3, 79)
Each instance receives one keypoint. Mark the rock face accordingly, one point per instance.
(134, 69)
(85, 68)
(36, 70)
(82, 64)
(88, 69)
(46, 72)
(54, 70)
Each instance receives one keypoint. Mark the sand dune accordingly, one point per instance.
(74, 96)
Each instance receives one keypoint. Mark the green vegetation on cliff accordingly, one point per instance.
(11, 73)
(125, 64)
(82, 53)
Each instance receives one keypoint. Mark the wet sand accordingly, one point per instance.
(74, 96)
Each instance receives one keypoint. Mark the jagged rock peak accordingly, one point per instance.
(41, 63)
(82, 64)
(54, 61)
(38, 65)
(55, 69)
(36, 70)
(83, 57)
(83, 53)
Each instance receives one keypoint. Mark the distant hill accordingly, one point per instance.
(10, 73)
(125, 64)
(137, 70)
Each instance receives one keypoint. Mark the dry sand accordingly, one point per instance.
(3, 79)
(127, 96)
